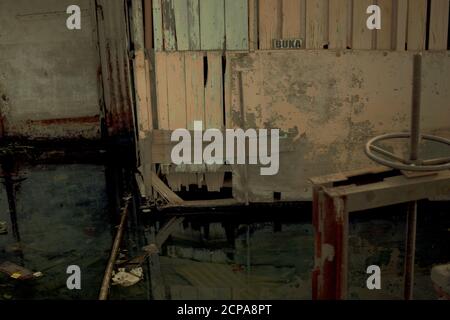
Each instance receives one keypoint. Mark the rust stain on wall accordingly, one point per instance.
(49, 122)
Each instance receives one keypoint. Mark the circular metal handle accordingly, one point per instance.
(402, 164)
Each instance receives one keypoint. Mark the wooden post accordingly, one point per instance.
(330, 219)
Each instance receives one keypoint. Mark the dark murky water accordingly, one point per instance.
(65, 214)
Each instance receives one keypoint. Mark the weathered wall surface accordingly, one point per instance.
(330, 104)
(115, 66)
(48, 74)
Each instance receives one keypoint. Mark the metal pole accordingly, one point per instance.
(104, 291)
(415, 114)
(411, 225)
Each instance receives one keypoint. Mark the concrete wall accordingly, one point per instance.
(328, 104)
(48, 74)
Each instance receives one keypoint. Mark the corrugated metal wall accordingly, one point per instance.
(114, 46)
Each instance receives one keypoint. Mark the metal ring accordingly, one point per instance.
(407, 167)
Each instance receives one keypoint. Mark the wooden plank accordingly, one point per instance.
(194, 24)
(205, 204)
(162, 90)
(145, 152)
(227, 91)
(362, 36)
(339, 24)
(417, 24)
(160, 187)
(400, 24)
(142, 87)
(150, 91)
(291, 22)
(316, 24)
(385, 35)
(303, 20)
(176, 96)
(157, 25)
(269, 23)
(195, 90)
(212, 24)
(214, 92)
(350, 24)
(180, 9)
(394, 190)
(169, 27)
(236, 24)
(253, 24)
(439, 25)
(138, 25)
(148, 28)
(162, 148)
(142, 94)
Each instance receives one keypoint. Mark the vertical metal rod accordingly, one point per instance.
(415, 114)
(411, 224)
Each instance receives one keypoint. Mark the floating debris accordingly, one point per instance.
(15, 271)
(127, 278)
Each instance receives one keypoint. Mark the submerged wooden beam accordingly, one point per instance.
(205, 204)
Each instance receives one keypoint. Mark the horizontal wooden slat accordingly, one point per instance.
(162, 145)
(392, 191)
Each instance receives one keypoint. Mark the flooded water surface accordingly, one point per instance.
(58, 215)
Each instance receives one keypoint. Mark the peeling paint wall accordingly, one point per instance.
(330, 104)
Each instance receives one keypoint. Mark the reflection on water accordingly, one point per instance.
(63, 214)
(57, 215)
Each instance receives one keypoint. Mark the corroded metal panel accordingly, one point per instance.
(115, 66)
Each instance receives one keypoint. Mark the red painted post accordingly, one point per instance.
(330, 220)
